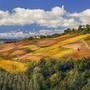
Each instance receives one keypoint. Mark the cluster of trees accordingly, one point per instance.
(49, 75)
(82, 29)
(53, 35)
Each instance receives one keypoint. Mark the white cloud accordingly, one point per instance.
(57, 17)
(21, 34)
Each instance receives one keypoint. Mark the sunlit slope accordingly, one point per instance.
(53, 51)
(12, 66)
(71, 40)
(57, 50)
(87, 40)
(30, 47)
(52, 41)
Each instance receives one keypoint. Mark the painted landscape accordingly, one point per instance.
(44, 44)
(52, 62)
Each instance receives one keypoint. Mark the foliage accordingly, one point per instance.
(54, 35)
(49, 75)
(82, 29)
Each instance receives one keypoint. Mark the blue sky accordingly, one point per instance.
(70, 5)
(74, 12)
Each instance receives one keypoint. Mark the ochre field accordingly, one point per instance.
(12, 66)
(15, 57)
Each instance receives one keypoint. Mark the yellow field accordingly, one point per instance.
(57, 50)
(12, 66)
(71, 40)
(30, 47)
(63, 52)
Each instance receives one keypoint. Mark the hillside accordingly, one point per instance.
(20, 54)
(46, 64)
(12, 66)
(58, 50)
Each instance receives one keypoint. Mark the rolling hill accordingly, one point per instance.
(15, 57)
(57, 50)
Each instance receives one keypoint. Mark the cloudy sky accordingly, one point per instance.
(21, 18)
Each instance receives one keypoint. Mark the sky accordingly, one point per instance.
(22, 18)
